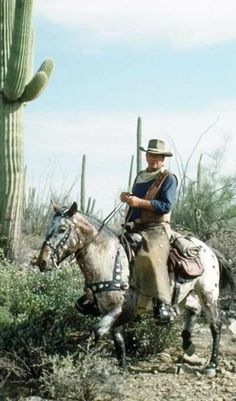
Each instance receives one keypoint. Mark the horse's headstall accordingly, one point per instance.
(47, 242)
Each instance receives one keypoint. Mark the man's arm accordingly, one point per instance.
(161, 206)
(166, 197)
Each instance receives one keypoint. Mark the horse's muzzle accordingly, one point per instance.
(42, 265)
(43, 259)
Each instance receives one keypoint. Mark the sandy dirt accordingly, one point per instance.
(169, 376)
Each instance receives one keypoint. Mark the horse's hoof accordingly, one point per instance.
(209, 372)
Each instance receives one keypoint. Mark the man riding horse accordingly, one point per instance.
(111, 291)
(150, 203)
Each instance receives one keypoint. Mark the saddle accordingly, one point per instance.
(183, 258)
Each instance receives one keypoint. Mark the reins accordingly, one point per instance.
(65, 237)
(110, 215)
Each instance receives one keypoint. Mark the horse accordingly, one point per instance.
(105, 267)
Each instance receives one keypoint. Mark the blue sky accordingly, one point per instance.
(172, 63)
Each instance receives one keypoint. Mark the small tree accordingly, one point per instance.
(207, 207)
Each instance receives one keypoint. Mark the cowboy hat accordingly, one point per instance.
(157, 146)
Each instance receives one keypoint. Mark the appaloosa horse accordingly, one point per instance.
(104, 264)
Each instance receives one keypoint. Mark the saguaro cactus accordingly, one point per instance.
(82, 184)
(89, 209)
(130, 174)
(17, 87)
(139, 139)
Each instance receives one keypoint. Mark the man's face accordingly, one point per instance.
(154, 161)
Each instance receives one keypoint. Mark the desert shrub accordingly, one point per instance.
(208, 209)
(37, 314)
(89, 377)
(151, 339)
(206, 205)
(28, 293)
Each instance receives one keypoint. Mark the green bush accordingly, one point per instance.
(28, 293)
(151, 339)
(37, 314)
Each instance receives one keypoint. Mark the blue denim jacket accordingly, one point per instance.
(166, 196)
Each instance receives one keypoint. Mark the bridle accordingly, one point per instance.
(56, 249)
(113, 285)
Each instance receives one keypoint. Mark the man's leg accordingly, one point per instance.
(152, 277)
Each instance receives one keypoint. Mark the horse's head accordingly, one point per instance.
(62, 238)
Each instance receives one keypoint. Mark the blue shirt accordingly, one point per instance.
(166, 196)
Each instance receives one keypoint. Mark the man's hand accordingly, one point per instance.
(130, 199)
(134, 201)
(124, 196)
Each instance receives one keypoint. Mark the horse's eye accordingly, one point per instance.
(61, 229)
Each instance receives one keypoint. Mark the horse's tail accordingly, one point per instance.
(226, 274)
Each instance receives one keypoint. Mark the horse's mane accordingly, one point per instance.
(93, 220)
(97, 223)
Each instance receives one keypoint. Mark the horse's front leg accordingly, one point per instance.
(107, 322)
(110, 322)
(120, 346)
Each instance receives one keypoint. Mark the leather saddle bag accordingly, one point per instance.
(187, 268)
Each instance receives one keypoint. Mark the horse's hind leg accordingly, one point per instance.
(186, 334)
(192, 309)
(215, 326)
(214, 318)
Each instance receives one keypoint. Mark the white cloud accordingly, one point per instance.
(57, 142)
(182, 23)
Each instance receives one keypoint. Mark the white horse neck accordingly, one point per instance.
(84, 228)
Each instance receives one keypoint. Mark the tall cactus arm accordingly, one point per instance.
(39, 82)
(21, 41)
(47, 66)
(30, 62)
(7, 9)
(35, 87)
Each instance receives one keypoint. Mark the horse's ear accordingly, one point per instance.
(55, 206)
(73, 209)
